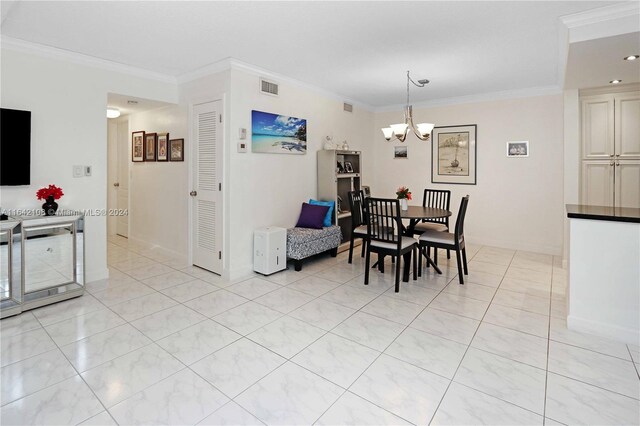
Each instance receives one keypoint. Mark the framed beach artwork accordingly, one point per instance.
(176, 150)
(150, 146)
(137, 146)
(278, 134)
(518, 149)
(400, 152)
(454, 153)
(163, 147)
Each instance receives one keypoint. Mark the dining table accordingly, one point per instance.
(416, 214)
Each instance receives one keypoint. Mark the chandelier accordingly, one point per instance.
(400, 131)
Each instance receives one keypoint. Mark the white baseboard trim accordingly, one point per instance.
(515, 245)
(609, 331)
(96, 274)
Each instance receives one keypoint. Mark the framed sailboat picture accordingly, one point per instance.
(278, 134)
(454, 153)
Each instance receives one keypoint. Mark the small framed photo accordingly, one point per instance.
(400, 152)
(137, 146)
(176, 150)
(518, 149)
(150, 140)
(163, 147)
(348, 167)
(339, 167)
(366, 190)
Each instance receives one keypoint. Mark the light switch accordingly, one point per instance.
(78, 171)
(242, 134)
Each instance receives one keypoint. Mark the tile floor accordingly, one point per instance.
(162, 342)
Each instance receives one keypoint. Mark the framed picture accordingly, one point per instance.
(518, 149)
(137, 146)
(348, 167)
(339, 167)
(454, 153)
(366, 190)
(176, 150)
(150, 140)
(278, 134)
(163, 147)
(400, 152)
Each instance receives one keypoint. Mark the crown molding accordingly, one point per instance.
(603, 22)
(50, 52)
(213, 68)
(483, 97)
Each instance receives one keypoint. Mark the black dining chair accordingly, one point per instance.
(383, 216)
(440, 199)
(449, 241)
(358, 221)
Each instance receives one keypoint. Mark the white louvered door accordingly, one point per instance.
(207, 186)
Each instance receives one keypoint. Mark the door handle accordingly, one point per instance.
(193, 193)
(116, 184)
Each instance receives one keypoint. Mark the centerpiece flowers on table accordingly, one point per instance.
(403, 193)
(50, 194)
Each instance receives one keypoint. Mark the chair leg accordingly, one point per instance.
(419, 261)
(351, 249)
(464, 261)
(367, 261)
(459, 267)
(398, 276)
(448, 254)
(414, 254)
(428, 255)
(364, 246)
(435, 255)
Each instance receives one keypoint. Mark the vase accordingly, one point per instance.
(403, 204)
(50, 207)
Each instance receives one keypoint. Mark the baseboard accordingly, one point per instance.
(96, 274)
(609, 331)
(514, 245)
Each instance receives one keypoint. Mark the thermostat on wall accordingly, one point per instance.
(242, 147)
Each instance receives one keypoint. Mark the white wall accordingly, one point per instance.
(69, 126)
(159, 191)
(517, 202)
(268, 189)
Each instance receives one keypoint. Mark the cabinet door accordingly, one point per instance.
(627, 125)
(597, 183)
(627, 187)
(597, 127)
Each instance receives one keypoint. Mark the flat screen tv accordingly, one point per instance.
(15, 147)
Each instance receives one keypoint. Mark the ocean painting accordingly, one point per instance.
(278, 134)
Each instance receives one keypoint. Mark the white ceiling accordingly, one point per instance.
(595, 63)
(360, 50)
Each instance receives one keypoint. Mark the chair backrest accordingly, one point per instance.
(437, 198)
(384, 216)
(356, 204)
(459, 230)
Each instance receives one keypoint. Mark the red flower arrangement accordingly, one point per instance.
(403, 192)
(50, 191)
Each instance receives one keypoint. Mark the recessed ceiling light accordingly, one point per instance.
(113, 113)
(615, 81)
(631, 57)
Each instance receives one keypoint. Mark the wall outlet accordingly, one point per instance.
(242, 147)
(87, 170)
(78, 171)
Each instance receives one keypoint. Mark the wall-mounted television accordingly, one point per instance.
(15, 147)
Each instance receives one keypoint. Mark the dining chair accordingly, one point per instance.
(358, 221)
(440, 199)
(384, 215)
(449, 241)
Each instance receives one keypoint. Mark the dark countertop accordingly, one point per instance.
(613, 214)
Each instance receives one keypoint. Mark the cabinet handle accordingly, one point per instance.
(611, 163)
(617, 163)
(610, 155)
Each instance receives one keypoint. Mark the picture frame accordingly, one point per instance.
(339, 167)
(278, 134)
(366, 190)
(162, 147)
(150, 141)
(176, 149)
(348, 167)
(400, 152)
(454, 154)
(516, 149)
(137, 146)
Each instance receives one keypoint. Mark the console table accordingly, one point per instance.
(42, 261)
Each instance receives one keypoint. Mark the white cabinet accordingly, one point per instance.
(610, 154)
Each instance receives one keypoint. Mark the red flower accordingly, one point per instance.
(403, 192)
(50, 191)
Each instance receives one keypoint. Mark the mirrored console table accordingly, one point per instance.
(45, 262)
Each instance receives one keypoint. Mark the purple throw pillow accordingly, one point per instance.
(312, 216)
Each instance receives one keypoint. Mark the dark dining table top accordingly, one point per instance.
(419, 212)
